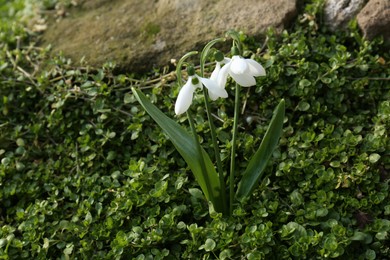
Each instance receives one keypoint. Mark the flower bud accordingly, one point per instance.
(219, 56)
(190, 71)
(235, 51)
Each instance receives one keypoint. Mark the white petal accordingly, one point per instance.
(223, 74)
(255, 68)
(213, 88)
(244, 80)
(184, 99)
(214, 77)
(226, 60)
(199, 85)
(239, 65)
(214, 74)
(221, 93)
(213, 96)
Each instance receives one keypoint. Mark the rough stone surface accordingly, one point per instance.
(139, 35)
(374, 19)
(338, 13)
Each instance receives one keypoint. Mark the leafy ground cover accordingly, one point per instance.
(85, 172)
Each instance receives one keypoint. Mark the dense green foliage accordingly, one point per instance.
(85, 172)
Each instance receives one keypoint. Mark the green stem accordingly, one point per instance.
(180, 64)
(214, 139)
(202, 163)
(216, 150)
(233, 152)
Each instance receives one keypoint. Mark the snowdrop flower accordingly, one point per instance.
(184, 99)
(214, 75)
(243, 71)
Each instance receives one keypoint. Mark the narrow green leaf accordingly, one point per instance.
(260, 159)
(185, 145)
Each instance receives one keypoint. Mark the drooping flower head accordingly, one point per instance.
(184, 99)
(219, 59)
(242, 70)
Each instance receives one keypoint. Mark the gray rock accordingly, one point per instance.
(139, 35)
(374, 19)
(338, 13)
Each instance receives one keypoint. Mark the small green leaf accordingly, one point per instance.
(209, 245)
(225, 254)
(5, 161)
(374, 158)
(296, 198)
(128, 98)
(326, 80)
(330, 242)
(360, 236)
(260, 159)
(322, 212)
(46, 243)
(381, 235)
(69, 249)
(3, 242)
(304, 83)
(159, 188)
(303, 106)
(88, 218)
(196, 193)
(20, 142)
(370, 254)
(111, 155)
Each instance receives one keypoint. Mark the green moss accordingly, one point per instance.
(151, 29)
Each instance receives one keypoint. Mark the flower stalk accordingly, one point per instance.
(216, 148)
(203, 56)
(234, 145)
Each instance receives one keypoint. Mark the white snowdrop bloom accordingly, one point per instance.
(184, 99)
(243, 71)
(214, 77)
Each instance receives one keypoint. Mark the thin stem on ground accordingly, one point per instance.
(214, 141)
(233, 151)
(216, 150)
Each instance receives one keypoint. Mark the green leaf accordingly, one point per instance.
(128, 98)
(373, 158)
(370, 254)
(260, 159)
(186, 146)
(209, 245)
(69, 249)
(296, 198)
(303, 106)
(361, 236)
(304, 83)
